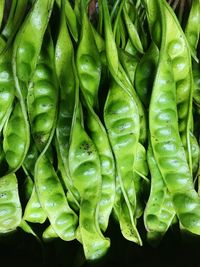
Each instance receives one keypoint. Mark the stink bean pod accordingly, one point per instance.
(99, 137)
(15, 142)
(15, 18)
(141, 181)
(10, 206)
(7, 86)
(192, 29)
(64, 63)
(33, 212)
(159, 211)
(164, 134)
(49, 233)
(132, 31)
(144, 75)
(85, 170)
(89, 72)
(179, 53)
(42, 97)
(27, 46)
(122, 123)
(88, 63)
(53, 200)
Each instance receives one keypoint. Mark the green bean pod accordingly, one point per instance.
(88, 63)
(7, 87)
(15, 18)
(85, 170)
(49, 233)
(159, 211)
(144, 74)
(42, 98)
(122, 123)
(10, 206)
(64, 63)
(133, 33)
(71, 20)
(164, 134)
(53, 200)
(27, 46)
(192, 29)
(89, 72)
(99, 137)
(129, 63)
(15, 142)
(179, 53)
(30, 159)
(140, 173)
(33, 212)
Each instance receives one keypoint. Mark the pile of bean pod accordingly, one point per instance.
(99, 119)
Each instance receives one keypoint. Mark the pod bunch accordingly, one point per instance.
(99, 111)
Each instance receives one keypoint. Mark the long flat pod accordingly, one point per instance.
(192, 29)
(53, 199)
(25, 55)
(88, 62)
(15, 143)
(64, 63)
(70, 17)
(165, 139)
(145, 72)
(179, 53)
(133, 33)
(89, 72)
(7, 86)
(159, 211)
(15, 18)
(85, 170)
(10, 206)
(42, 97)
(99, 137)
(122, 123)
(27, 46)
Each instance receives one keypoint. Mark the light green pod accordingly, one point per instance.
(164, 135)
(89, 71)
(145, 73)
(178, 51)
(15, 142)
(53, 200)
(85, 171)
(49, 234)
(16, 16)
(64, 63)
(10, 206)
(159, 211)
(27, 46)
(141, 181)
(33, 212)
(122, 123)
(99, 137)
(7, 87)
(192, 29)
(42, 97)
(88, 63)
(132, 32)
